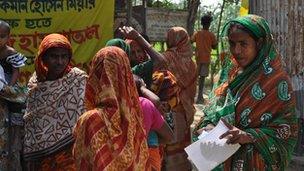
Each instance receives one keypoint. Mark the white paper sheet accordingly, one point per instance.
(210, 151)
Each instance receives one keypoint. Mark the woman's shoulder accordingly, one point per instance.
(144, 100)
(76, 72)
(146, 103)
(274, 72)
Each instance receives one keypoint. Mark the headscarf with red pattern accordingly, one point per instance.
(110, 136)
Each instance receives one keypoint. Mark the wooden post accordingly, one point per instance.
(129, 12)
(144, 3)
(217, 61)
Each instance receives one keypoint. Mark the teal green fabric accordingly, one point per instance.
(145, 71)
(259, 27)
(274, 139)
(153, 139)
(219, 104)
(121, 44)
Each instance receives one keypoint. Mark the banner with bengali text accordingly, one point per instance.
(88, 24)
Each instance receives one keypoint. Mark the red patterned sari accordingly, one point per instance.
(110, 136)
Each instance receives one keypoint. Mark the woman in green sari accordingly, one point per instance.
(254, 97)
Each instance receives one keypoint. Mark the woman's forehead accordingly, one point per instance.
(237, 28)
(238, 32)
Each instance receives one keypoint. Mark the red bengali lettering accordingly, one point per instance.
(92, 31)
(12, 40)
(30, 42)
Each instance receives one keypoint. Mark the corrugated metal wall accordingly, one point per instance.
(286, 20)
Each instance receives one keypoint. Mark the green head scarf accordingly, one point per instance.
(121, 44)
(238, 89)
(259, 28)
(225, 106)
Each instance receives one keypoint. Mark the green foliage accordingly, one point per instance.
(231, 10)
(158, 46)
(167, 4)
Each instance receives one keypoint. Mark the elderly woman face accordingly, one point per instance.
(56, 60)
(242, 46)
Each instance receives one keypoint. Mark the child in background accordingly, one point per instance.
(10, 59)
(12, 101)
(205, 41)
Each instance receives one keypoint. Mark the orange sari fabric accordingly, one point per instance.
(110, 136)
(284, 130)
(155, 160)
(179, 62)
(61, 161)
(164, 85)
(50, 41)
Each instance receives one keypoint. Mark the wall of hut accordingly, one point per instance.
(286, 19)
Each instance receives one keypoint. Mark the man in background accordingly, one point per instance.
(205, 42)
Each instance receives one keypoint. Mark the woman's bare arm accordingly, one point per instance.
(131, 33)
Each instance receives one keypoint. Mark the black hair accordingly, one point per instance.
(137, 80)
(206, 20)
(146, 37)
(5, 25)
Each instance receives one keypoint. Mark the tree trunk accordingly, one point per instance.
(192, 9)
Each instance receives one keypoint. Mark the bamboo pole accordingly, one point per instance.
(129, 12)
(217, 61)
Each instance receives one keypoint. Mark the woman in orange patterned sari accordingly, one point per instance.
(110, 136)
(178, 60)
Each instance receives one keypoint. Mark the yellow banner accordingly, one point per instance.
(244, 7)
(88, 24)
